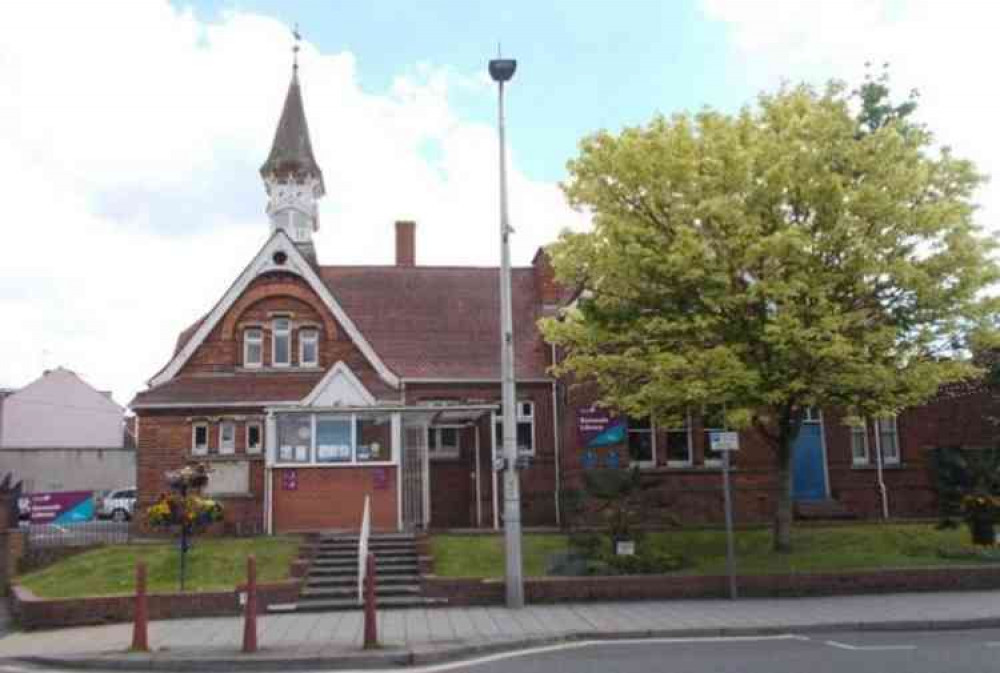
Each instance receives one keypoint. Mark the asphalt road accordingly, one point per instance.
(889, 652)
(903, 652)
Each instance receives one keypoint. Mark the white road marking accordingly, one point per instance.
(558, 647)
(869, 648)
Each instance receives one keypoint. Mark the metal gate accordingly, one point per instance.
(413, 471)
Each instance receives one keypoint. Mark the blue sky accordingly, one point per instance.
(582, 64)
(131, 133)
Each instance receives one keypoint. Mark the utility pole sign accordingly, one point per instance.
(726, 443)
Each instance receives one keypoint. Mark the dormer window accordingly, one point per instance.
(308, 348)
(253, 348)
(281, 342)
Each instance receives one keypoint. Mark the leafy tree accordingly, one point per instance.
(877, 109)
(794, 254)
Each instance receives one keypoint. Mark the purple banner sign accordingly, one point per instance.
(597, 427)
(62, 507)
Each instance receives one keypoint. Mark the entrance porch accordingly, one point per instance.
(421, 466)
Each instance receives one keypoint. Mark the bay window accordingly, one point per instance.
(334, 438)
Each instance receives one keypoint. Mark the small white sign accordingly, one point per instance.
(243, 598)
(625, 548)
(725, 441)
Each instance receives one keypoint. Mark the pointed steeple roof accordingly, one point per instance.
(291, 152)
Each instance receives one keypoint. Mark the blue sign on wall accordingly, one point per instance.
(596, 427)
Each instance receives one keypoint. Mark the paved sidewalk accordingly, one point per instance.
(423, 636)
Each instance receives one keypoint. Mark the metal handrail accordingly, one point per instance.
(366, 526)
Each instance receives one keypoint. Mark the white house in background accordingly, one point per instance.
(59, 433)
(61, 410)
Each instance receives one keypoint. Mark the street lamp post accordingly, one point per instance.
(501, 70)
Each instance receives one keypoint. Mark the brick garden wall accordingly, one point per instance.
(469, 591)
(31, 612)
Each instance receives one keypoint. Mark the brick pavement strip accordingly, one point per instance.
(305, 640)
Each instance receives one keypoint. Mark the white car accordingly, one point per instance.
(117, 505)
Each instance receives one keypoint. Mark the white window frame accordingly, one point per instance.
(895, 459)
(855, 430)
(308, 334)
(252, 450)
(287, 333)
(686, 429)
(258, 340)
(521, 417)
(195, 449)
(451, 452)
(227, 447)
(643, 464)
(389, 451)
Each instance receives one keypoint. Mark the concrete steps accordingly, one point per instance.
(331, 582)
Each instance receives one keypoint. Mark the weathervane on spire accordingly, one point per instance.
(295, 49)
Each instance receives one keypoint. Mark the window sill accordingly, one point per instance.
(332, 465)
(871, 467)
(310, 369)
(225, 457)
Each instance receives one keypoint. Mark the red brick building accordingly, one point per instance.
(308, 387)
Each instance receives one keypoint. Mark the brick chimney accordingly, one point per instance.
(406, 250)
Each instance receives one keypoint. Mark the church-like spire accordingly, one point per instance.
(291, 152)
(293, 179)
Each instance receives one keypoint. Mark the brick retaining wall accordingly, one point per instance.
(476, 591)
(32, 612)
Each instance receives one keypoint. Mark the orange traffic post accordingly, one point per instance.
(250, 608)
(371, 625)
(140, 628)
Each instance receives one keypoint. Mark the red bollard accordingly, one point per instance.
(250, 608)
(140, 628)
(371, 624)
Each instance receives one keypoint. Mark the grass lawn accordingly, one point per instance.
(212, 564)
(862, 546)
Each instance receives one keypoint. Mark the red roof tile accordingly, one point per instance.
(440, 322)
(256, 387)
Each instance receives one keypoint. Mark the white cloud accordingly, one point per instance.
(130, 137)
(944, 49)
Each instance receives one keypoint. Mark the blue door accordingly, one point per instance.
(808, 461)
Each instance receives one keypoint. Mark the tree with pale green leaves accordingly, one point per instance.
(813, 250)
